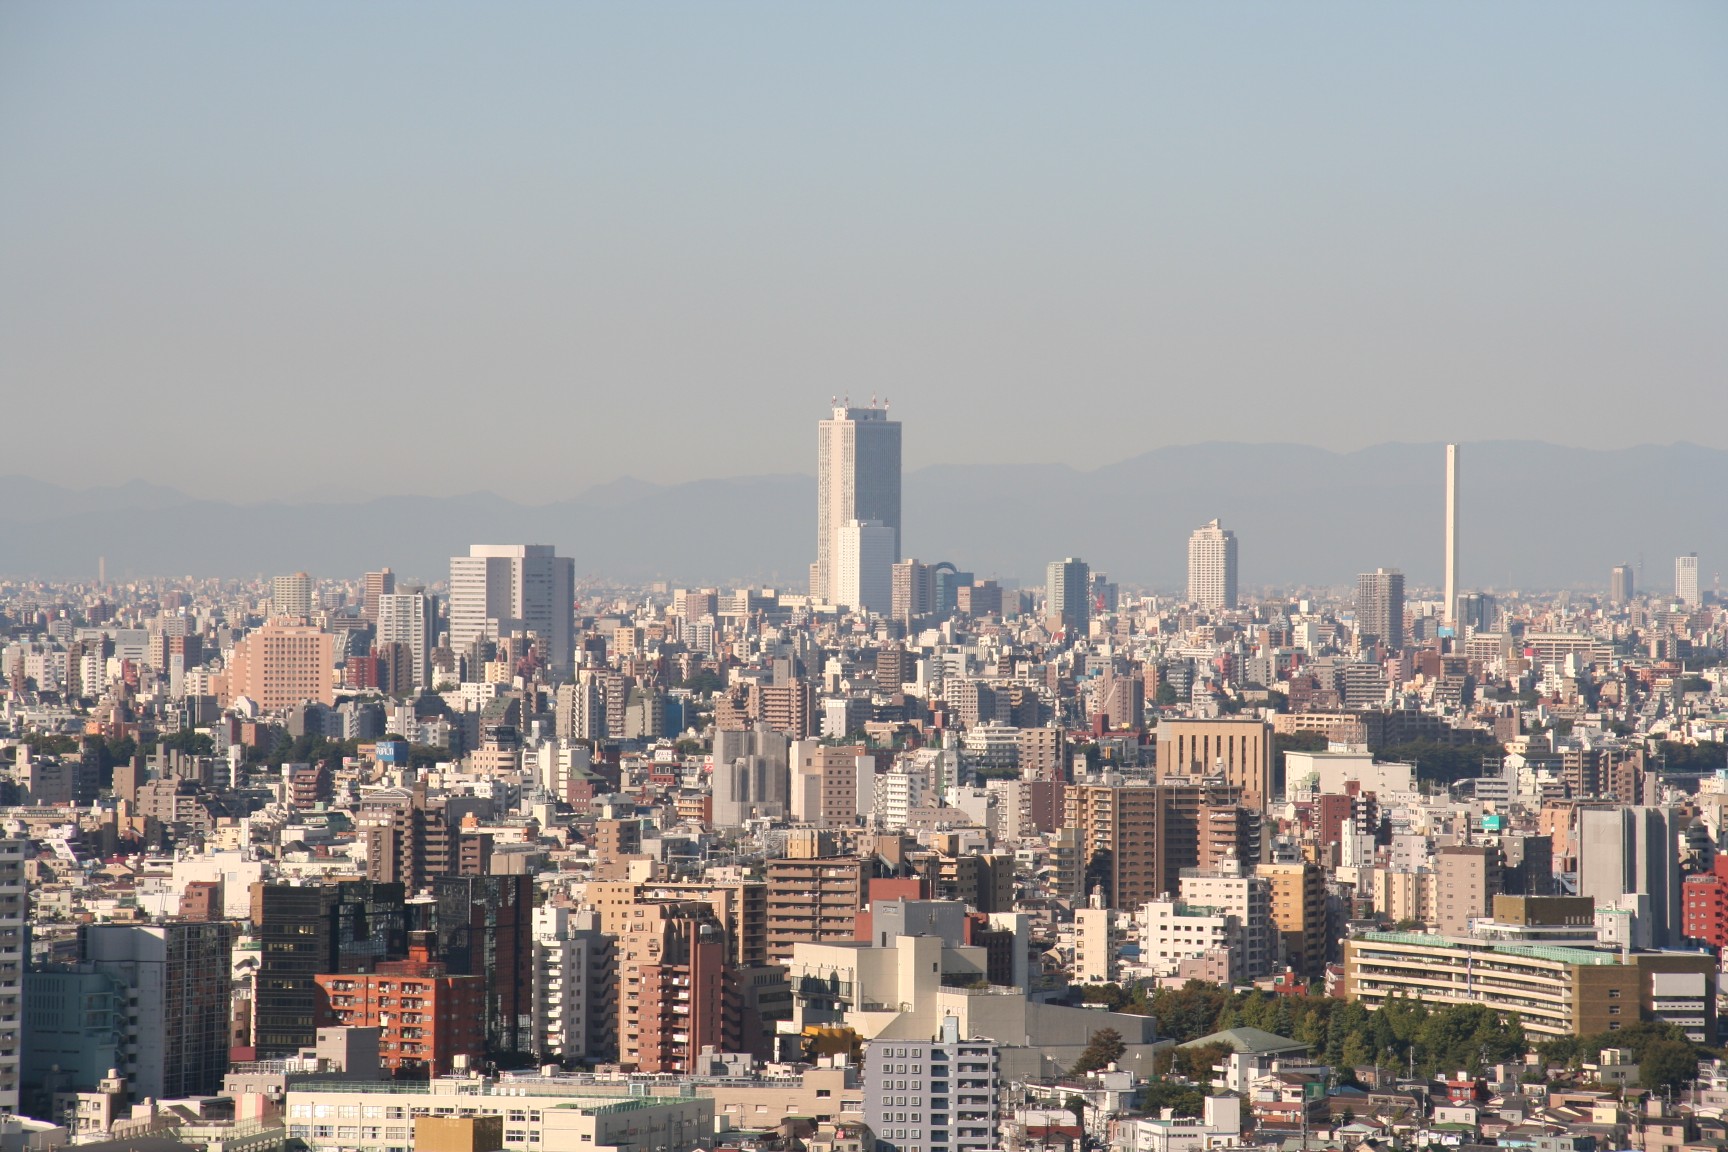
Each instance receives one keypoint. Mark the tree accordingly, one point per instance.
(1105, 1049)
(1668, 1064)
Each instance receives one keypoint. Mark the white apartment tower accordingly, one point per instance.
(1686, 579)
(864, 567)
(291, 596)
(407, 617)
(857, 480)
(498, 589)
(1212, 567)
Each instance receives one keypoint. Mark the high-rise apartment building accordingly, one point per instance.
(940, 1095)
(864, 567)
(813, 900)
(1621, 587)
(1380, 608)
(1067, 595)
(1686, 579)
(281, 665)
(501, 589)
(914, 592)
(178, 979)
(575, 1011)
(857, 479)
(408, 618)
(1212, 567)
(291, 596)
(425, 1016)
(1299, 914)
(375, 587)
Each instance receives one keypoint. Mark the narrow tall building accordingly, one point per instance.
(1067, 595)
(499, 589)
(1380, 607)
(940, 1095)
(407, 618)
(1621, 586)
(1686, 580)
(857, 479)
(1212, 567)
(375, 587)
(1452, 477)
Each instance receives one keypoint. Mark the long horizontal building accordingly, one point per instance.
(538, 1113)
(1554, 990)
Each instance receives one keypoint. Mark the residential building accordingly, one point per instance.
(409, 618)
(813, 900)
(939, 1095)
(281, 665)
(1298, 894)
(1686, 580)
(426, 1017)
(1380, 608)
(1212, 567)
(291, 597)
(14, 955)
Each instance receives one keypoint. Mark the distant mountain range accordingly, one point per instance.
(1534, 515)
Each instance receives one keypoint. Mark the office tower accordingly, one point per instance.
(857, 478)
(408, 618)
(914, 594)
(377, 585)
(1451, 606)
(485, 927)
(939, 1095)
(1299, 914)
(1380, 608)
(1629, 857)
(1212, 567)
(1686, 579)
(501, 589)
(177, 977)
(1067, 588)
(1621, 587)
(1238, 750)
(281, 665)
(1466, 880)
(291, 596)
(752, 776)
(14, 953)
(864, 567)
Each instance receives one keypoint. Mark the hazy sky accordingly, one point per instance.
(265, 249)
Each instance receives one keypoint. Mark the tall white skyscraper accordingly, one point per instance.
(857, 479)
(1686, 579)
(864, 567)
(407, 617)
(291, 595)
(1380, 607)
(1212, 567)
(498, 589)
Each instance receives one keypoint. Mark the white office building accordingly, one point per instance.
(857, 479)
(500, 589)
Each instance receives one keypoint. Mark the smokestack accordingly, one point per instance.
(1451, 612)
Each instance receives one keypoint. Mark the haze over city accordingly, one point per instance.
(863, 578)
